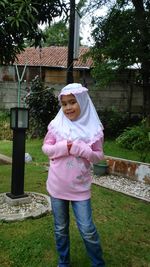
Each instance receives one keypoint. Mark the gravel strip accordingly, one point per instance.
(124, 185)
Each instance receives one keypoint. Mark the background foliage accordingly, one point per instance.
(43, 106)
(136, 138)
(5, 131)
(115, 122)
(122, 40)
(20, 20)
(56, 34)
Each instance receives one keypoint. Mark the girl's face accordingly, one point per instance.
(70, 107)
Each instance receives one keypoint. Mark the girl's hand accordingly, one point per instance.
(69, 144)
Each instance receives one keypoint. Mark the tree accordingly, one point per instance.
(56, 34)
(122, 39)
(20, 19)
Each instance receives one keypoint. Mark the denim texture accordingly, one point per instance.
(83, 215)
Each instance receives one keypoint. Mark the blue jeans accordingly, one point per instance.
(83, 214)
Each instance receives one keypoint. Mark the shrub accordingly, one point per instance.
(115, 122)
(43, 106)
(136, 138)
(5, 131)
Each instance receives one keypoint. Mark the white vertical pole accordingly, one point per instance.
(76, 35)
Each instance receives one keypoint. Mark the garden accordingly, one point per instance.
(122, 221)
(121, 39)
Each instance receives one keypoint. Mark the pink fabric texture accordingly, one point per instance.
(69, 175)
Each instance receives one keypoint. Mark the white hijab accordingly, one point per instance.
(87, 127)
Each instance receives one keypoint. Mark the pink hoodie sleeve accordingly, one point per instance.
(52, 149)
(93, 154)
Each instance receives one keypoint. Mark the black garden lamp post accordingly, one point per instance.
(19, 122)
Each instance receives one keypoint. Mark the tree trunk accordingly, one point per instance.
(145, 52)
(130, 93)
(145, 69)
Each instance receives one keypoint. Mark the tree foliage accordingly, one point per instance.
(56, 34)
(19, 20)
(122, 39)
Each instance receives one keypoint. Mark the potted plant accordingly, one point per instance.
(100, 168)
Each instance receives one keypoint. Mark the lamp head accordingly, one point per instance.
(19, 118)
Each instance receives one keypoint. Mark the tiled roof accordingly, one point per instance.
(53, 56)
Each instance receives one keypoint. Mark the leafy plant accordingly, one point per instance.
(115, 122)
(5, 132)
(56, 34)
(136, 138)
(20, 21)
(122, 40)
(43, 106)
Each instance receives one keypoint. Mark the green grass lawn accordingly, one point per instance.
(33, 146)
(111, 148)
(122, 221)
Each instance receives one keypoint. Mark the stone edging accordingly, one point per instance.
(133, 170)
(5, 160)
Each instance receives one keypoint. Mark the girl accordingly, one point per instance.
(74, 141)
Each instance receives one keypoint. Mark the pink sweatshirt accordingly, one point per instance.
(69, 175)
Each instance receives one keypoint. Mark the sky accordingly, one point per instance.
(85, 29)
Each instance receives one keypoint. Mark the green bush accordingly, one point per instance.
(115, 122)
(43, 106)
(136, 138)
(4, 115)
(5, 131)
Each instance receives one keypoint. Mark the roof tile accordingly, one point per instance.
(53, 56)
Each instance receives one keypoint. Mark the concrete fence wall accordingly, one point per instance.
(118, 96)
(9, 94)
(113, 96)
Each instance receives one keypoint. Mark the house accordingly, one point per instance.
(50, 63)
